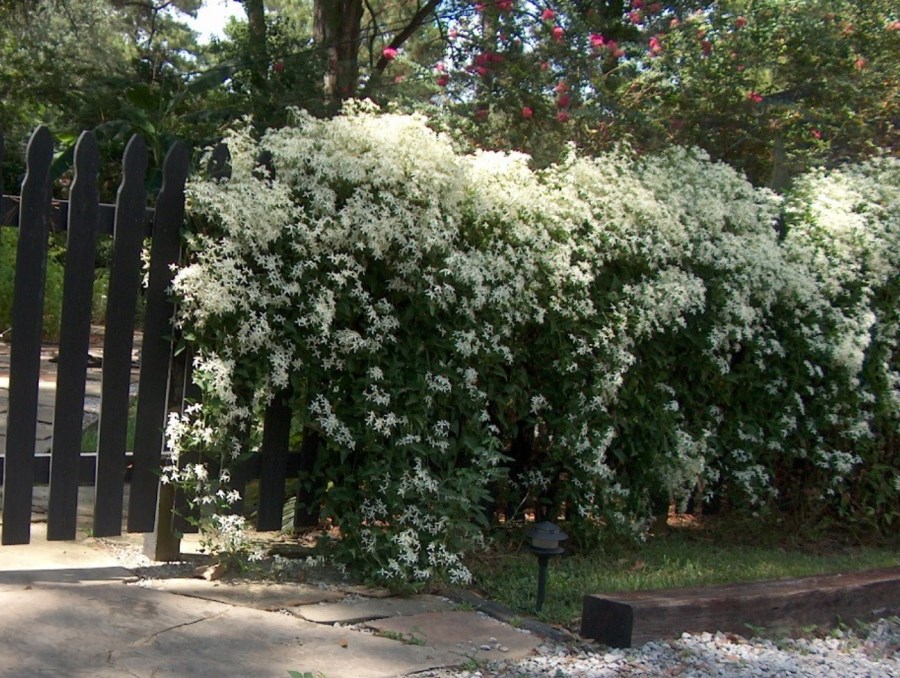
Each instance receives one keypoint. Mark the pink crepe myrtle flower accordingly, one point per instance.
(563, 116)
(482, 71)
(548, 15)
(675, 23)
(278, 66)
(563, 101)
(505, 5)
(637, 4)
(545, 65)
(561, 87)
(655, 8)
(894, 26)
(707, 47)
(527, 112)
(655, 45)
(443, 80)
(635, 17)
(479, 6)
(597, 40)
(389, 53)
(755, 97)
(740, 22)
(815, 133)
(860, 63)
(440, 67)
(558, 33)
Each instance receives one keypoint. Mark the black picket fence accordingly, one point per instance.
(164, 380)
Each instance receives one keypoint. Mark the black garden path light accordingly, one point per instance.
(545, 538)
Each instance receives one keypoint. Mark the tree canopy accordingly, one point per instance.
(769, 86)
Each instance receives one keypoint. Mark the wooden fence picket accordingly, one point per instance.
(118, 340)
(74, 340)
(25, 352)
(156, 351)
(273, 462)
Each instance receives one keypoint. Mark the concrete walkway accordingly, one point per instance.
(69, 609)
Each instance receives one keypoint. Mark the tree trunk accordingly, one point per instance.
(258, 53)
(338, 29)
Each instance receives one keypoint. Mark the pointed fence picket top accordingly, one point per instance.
(25, 352)
(157, 342)
(118, 340)
(74, 338)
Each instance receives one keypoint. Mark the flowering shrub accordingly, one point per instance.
(466, 335)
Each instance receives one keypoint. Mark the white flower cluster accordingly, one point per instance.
(633, 313)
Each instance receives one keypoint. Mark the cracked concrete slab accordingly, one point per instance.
(261, 596)
(466, 634)
(110, 628)
(251, 643)
(354, 610)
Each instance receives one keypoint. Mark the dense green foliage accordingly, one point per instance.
(598, 339)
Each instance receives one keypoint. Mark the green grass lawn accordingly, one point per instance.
(703, 554)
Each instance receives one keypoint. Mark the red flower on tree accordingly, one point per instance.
(527, 112)
(389, 53)
(558, 33)
(755, 97)
(548, 15)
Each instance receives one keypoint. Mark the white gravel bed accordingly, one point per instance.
(873, 651)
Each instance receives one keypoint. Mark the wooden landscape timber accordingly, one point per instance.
(632, 619)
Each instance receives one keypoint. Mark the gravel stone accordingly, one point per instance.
(872, 650)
